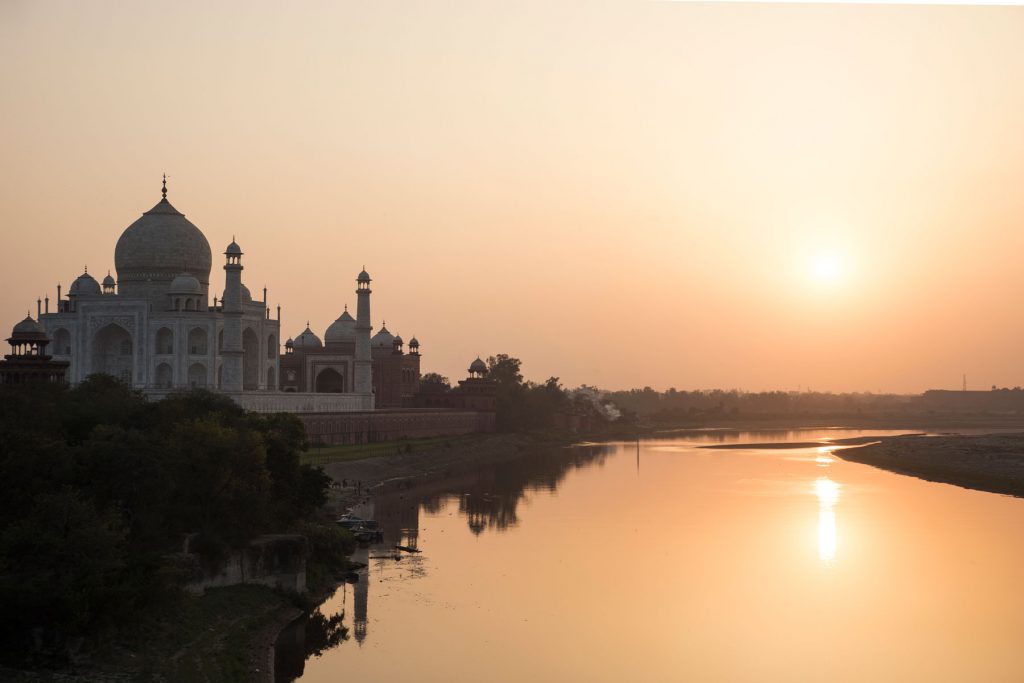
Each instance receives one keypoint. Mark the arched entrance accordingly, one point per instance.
(113, 353)
(197, 341)
(164, 376)
(164, 341)
(330, 381)
(197, 375)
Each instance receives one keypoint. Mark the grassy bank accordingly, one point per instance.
(325, 455)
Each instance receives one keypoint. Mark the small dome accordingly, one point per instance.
(341, 330)
(363, 276)
(308, 340)
(28, 329)
(289, 342)
(233, 249)
(478, 366)
(186, 283)
(84, 285)
(414, 343)
(398, 340)
(383, 339)
(109, 281)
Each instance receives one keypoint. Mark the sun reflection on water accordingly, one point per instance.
(827, 492)
(824, 457)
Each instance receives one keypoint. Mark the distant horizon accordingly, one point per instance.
(660, 194)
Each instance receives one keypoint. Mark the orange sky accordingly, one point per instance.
(619, 194)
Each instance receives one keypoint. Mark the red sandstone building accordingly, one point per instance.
(28, 361)
(327, 367)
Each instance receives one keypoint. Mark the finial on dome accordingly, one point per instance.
(346, 308)
(164, 190)
(87, 270)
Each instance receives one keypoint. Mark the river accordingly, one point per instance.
(665, 561)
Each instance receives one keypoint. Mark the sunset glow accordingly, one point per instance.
(353, 340)
(828, 267)
(563, 176)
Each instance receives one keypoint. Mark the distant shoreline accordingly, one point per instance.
(921, 422)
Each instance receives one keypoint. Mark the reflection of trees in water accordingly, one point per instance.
(490, 499)
(310, 636)
(488, 496)
(323, 633)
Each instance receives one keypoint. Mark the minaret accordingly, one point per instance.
(231, 372)
(363, 363)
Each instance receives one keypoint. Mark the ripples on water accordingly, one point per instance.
(661, 561)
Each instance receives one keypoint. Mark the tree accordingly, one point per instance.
(504, 369)
(434, 382)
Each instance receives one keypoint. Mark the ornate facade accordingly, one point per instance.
(154, 326)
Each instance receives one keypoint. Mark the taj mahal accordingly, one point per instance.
(156, 328)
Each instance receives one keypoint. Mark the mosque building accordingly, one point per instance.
(328, 366)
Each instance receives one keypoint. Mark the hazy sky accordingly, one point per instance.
(670, 194)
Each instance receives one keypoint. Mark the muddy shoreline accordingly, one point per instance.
(988, 462)
(356, 481)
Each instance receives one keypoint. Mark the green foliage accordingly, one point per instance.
(329, 548)
(61, 563)
(434, 382)
(100, 486)
(504, 369)
(99, 400)
(523, 405)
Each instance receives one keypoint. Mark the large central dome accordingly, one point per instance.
(158, 247)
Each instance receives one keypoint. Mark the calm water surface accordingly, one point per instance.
(669, 562)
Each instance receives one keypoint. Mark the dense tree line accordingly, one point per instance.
(101, 486)
(527, 405)
(675, 405)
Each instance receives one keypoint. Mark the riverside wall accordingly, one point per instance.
(389, 425)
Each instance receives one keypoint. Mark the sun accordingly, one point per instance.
(827, 267)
